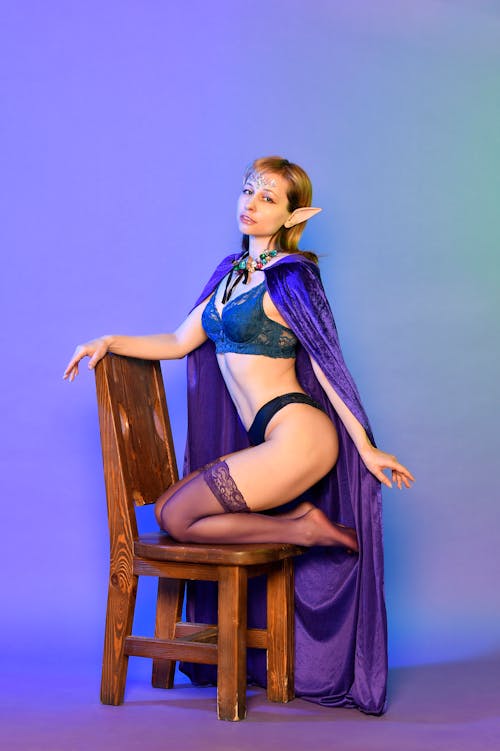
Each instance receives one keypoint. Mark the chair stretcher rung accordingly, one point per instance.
(171, 649)
(256, 637)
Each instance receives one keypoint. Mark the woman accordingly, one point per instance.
(284, 408)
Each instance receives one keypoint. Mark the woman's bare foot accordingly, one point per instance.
(319, 530)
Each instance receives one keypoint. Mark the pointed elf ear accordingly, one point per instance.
(301, 215)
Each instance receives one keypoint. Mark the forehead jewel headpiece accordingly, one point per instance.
(261, 180)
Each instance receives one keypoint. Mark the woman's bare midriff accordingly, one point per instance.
(253, 380)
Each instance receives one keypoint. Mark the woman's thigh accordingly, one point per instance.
(301, 446)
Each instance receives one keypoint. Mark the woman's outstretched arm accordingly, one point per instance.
(374, 459)
(184, 339)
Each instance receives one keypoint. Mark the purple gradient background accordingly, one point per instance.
(125, 129)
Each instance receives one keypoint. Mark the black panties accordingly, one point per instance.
(257, 429)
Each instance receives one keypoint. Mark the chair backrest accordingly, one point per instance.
(136, 438)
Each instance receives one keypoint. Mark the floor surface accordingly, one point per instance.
(452, 706)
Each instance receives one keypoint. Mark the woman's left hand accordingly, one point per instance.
(376, 461)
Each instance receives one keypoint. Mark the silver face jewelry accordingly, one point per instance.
(260, 181)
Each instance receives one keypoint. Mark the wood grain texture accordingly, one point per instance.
(190, 571)
(122, 586)
(139, 464)
(141, 424)
(256, 637)
(280, 626)
(159, 546)
(232, 665)
(176, 649)
(168, 611)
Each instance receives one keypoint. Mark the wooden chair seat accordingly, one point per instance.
(139, 464)
(161, 547)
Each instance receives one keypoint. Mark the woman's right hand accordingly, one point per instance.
(96, 349)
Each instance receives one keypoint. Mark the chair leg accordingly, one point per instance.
(119, 617)
(280, 633)
(232, 647)
(168, 613)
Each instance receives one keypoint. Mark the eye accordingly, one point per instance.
(247, 191)
(268, 199)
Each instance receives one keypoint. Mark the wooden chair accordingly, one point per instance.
(139, 464)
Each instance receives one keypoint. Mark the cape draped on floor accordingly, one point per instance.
(340, 618)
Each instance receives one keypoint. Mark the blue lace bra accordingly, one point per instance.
(245, 328)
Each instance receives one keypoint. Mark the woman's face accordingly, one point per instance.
(263, 204)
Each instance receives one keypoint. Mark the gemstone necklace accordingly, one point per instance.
(243, 268)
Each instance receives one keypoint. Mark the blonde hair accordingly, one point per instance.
(299, 194)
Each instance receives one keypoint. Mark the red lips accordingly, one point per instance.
(246, 219)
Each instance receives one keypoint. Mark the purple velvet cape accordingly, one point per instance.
(340, 621)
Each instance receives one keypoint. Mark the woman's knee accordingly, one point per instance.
(188, 501)
(170, 519)
(169, 493)
(162, 501)
(168, 512)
